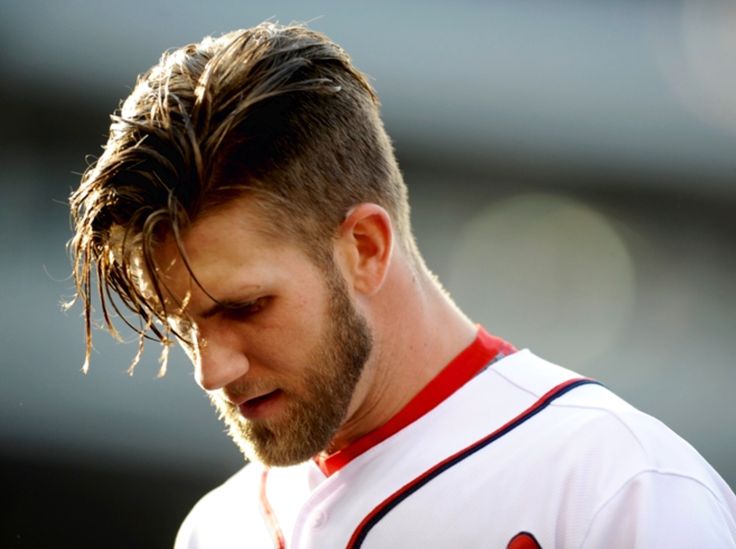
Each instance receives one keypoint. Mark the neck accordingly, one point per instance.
(417, 331)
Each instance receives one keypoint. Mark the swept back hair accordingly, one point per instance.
(276, 112)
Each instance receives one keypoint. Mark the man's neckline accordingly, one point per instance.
(464, 367)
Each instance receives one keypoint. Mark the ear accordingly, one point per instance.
(364, 247)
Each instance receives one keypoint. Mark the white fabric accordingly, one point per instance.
(589, 471)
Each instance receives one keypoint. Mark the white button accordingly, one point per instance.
(318, 519)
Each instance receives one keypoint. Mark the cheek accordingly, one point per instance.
(302, 316)
(287, 337)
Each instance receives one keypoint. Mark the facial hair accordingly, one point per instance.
(330, 376)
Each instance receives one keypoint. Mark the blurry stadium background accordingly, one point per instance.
(571, 166)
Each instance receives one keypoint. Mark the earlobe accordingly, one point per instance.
(366, 238)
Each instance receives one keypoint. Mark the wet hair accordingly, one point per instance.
(275, 112)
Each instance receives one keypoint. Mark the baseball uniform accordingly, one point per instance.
(501, 449)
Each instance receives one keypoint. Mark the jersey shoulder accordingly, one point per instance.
(225, 513)
(593, 415)
(611, 474)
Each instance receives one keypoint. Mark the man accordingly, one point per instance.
(249, 206)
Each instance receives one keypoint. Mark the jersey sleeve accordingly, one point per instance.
(186, 537)
(661, 509)
(227, 516)
(203, 526)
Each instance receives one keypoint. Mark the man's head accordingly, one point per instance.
(247, 192)
(278, 114)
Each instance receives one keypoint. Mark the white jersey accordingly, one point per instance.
(524, 454)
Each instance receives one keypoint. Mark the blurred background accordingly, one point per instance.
(571, 166)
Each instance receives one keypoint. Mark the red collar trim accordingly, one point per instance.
(457, 373)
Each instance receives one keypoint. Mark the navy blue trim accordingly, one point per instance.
(389, 504)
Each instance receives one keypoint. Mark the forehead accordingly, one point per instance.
(240, 221)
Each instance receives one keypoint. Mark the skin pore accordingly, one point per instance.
(305, 359)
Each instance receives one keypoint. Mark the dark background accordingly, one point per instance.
(572, 176)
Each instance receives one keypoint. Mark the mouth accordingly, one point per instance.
(261, 406)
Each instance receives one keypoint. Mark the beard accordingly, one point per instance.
(313, 417)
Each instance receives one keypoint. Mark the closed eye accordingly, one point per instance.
(243, 311)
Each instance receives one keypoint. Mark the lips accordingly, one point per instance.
(260, 406)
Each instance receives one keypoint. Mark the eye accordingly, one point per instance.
(243, 311)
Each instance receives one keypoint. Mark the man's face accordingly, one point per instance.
(282, 349)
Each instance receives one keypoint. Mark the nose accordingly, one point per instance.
(218, 364)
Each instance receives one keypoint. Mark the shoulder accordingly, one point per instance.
(595, 420)
(633, 476)
(224, 513)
